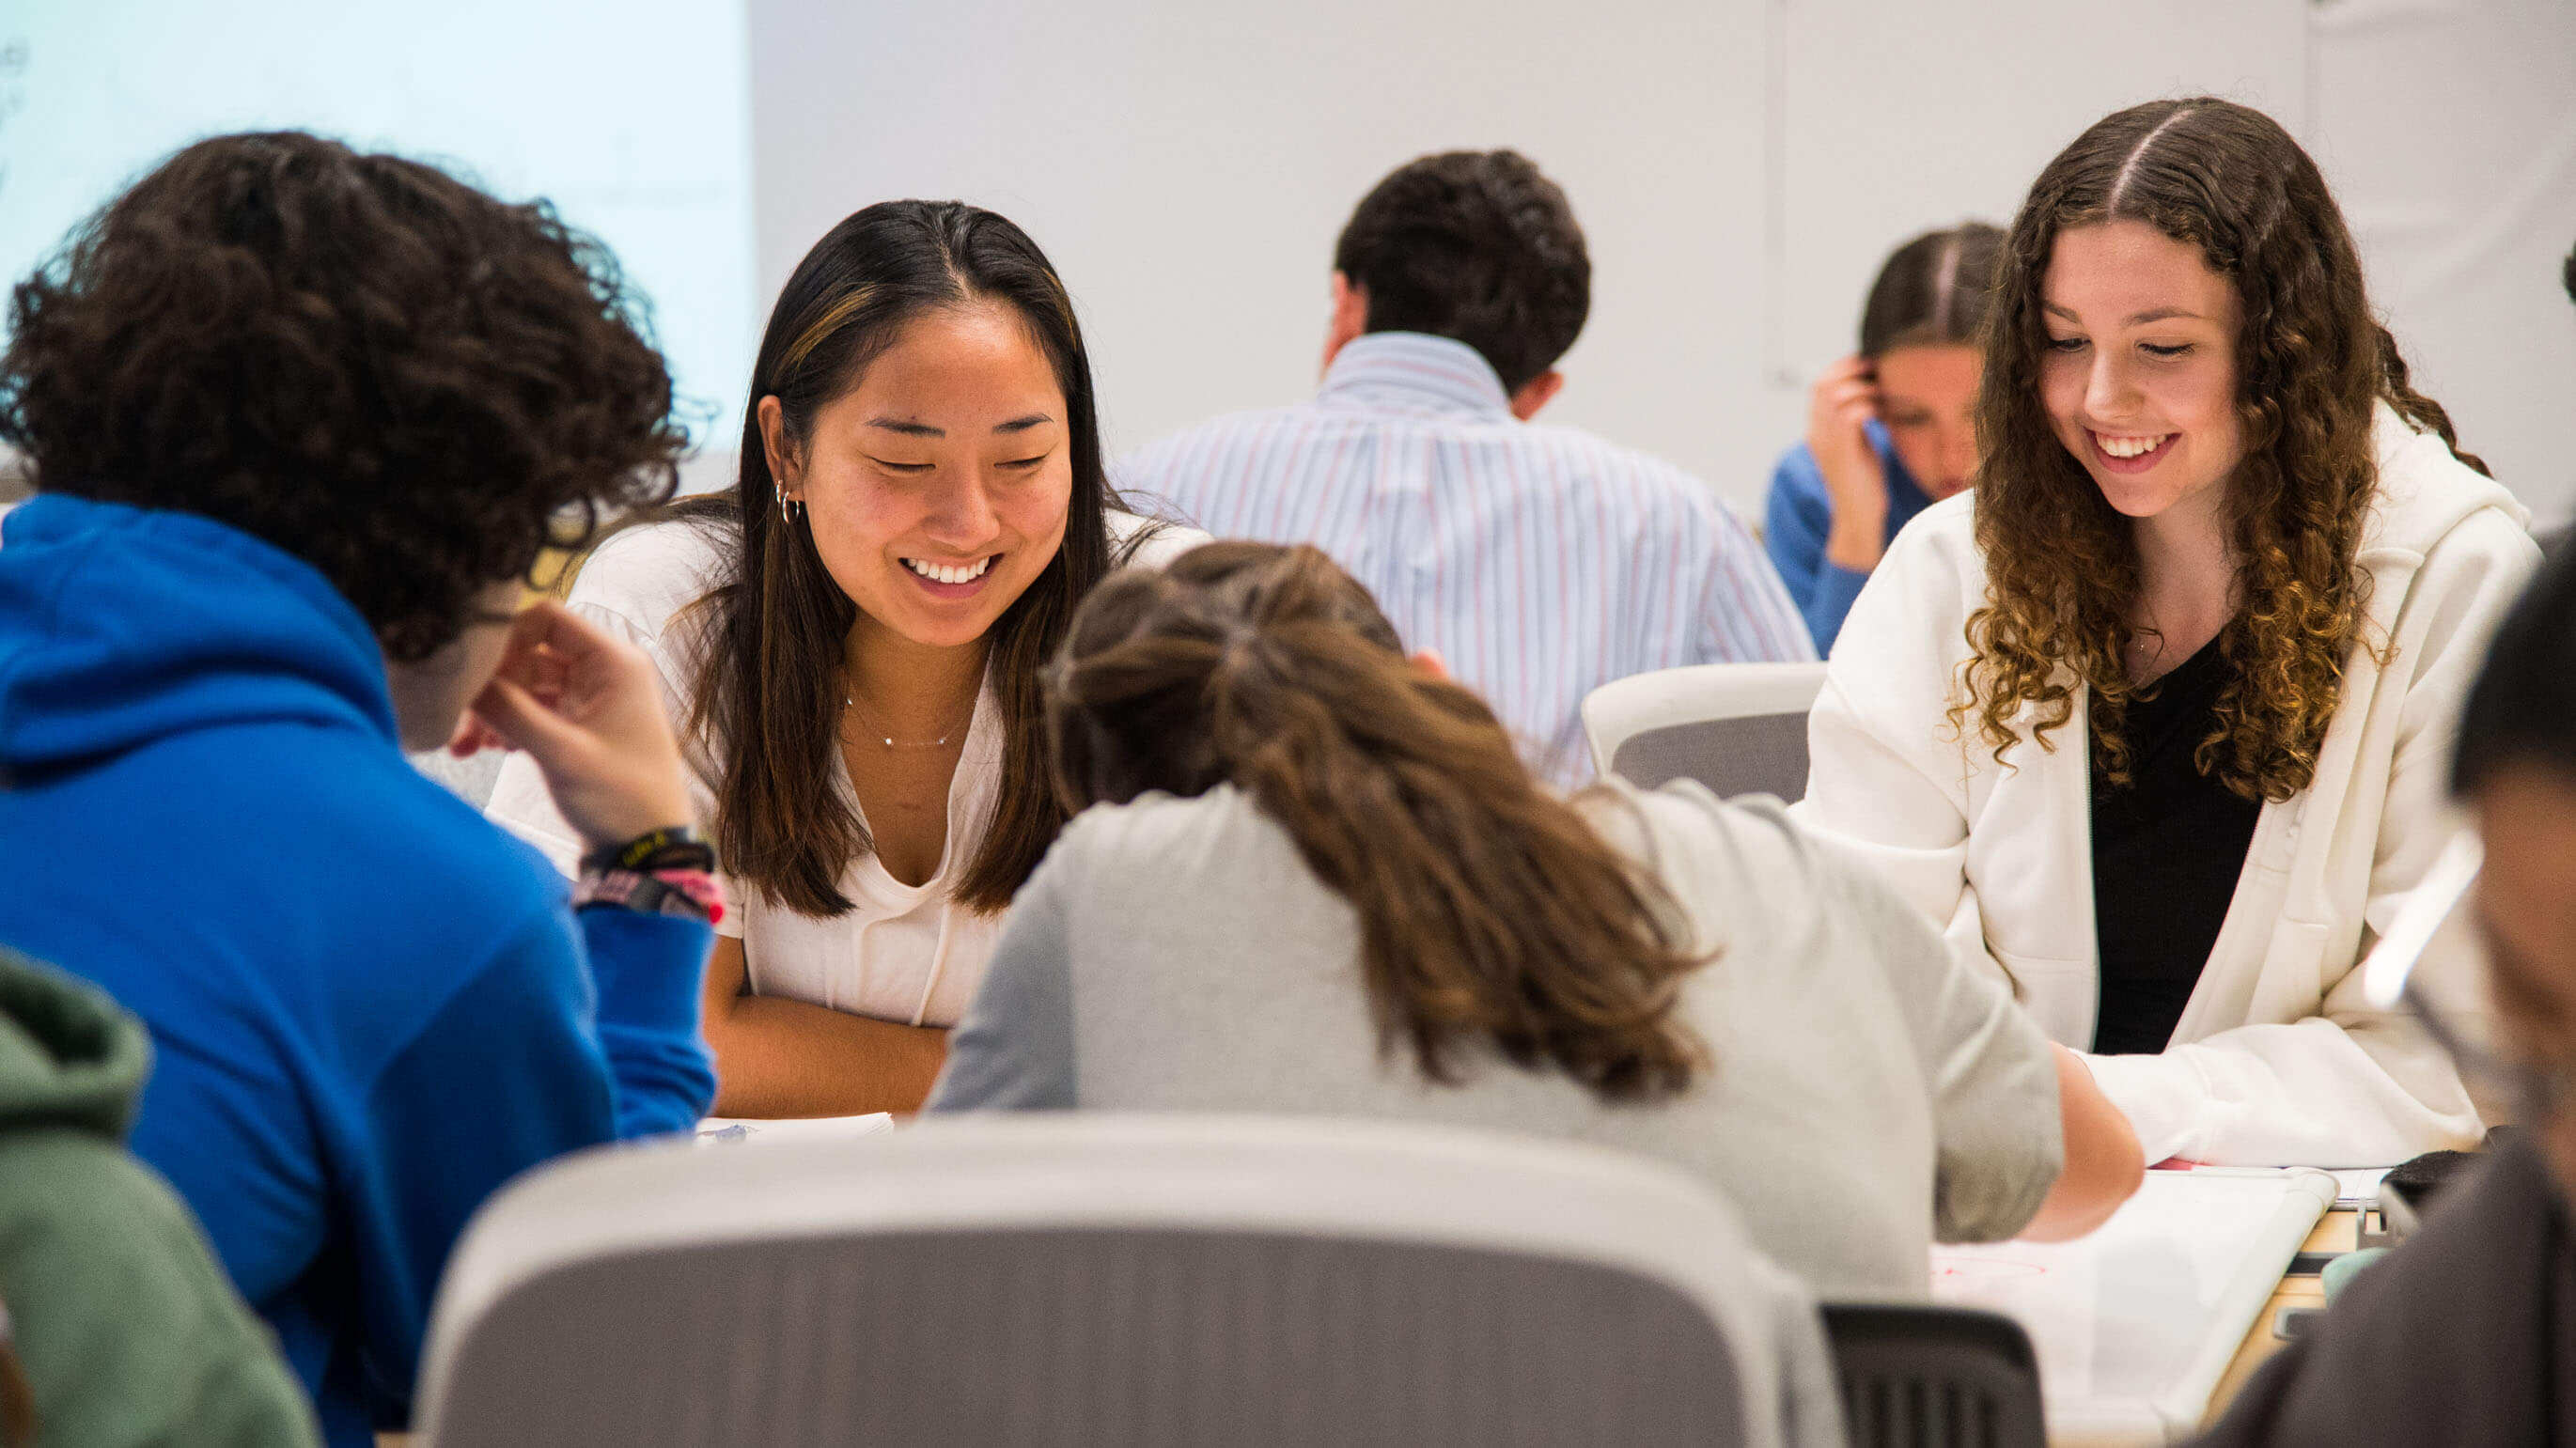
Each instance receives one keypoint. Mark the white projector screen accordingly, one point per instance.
(633, 118)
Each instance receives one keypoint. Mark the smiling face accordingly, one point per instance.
(1927, 396)
(2140, 376)
(937, 487)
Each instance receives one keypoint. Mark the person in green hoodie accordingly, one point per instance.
(119, 1326)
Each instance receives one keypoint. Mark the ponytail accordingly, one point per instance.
(1489, 911)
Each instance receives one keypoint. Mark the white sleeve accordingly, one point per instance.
(1887, 778)
(2352, 1085)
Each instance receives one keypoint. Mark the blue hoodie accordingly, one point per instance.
(369, 1006)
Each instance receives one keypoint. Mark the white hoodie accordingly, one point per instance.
(2277, 1059)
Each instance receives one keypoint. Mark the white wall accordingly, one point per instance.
(1740, 167)
(1187, 166)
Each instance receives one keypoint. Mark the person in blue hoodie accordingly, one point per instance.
(299, 421)
(1890, 429)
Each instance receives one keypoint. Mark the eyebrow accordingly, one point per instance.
(2160, 314)
(923, 429)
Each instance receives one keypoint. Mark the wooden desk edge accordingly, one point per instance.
(2337, 1231)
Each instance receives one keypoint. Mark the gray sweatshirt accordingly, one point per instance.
(1867, 1093)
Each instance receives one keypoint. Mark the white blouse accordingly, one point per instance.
(907, 953)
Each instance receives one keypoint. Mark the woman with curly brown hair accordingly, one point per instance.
(302, 422)
(1318, 878)
(2153, 721)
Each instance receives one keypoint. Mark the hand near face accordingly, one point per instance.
(1840, 408)
(588, 709)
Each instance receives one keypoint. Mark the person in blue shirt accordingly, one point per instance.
(1890, 430)
(300, 421)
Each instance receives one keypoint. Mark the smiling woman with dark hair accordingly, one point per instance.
(852, 635)
(2153, 720)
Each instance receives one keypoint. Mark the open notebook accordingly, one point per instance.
(2136, 1323)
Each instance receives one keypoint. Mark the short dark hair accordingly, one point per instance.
(1475, 246)
(359, 359)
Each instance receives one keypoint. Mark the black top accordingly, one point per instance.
(2167, 848)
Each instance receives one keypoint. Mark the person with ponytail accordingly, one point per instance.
(1891, 429)
(2154, 720)
(1312, 875)
(851, 637)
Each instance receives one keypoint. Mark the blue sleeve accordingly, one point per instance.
(1795, 522)
(1014, 1049)
(528, 1061)
(649, 970)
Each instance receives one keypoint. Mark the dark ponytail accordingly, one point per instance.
(1489, 910)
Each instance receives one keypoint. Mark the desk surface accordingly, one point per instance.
(2338, 1231)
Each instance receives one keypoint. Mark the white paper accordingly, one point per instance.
(728, 1130)
(2135, 1324)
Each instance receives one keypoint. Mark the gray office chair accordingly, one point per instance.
(1082, 1279)
(1737, 728)
(1935, 1377)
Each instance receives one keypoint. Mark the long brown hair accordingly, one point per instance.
(2311, 360)
(765, 704)
(1489, 910)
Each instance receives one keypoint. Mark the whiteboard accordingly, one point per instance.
(2135, 1324)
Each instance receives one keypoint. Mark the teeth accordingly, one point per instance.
(942, 573)
(2129, 447)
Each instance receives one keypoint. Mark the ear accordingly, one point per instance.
(1349, 319)
(1429, 664)
(1536, 393)
(778, 448)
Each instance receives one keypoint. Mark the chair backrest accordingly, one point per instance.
(1737, 728)
(1935, 1377)
(1080, 1279)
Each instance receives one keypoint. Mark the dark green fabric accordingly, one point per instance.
(128, 1332)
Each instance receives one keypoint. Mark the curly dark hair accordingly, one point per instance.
(2311, 362)
(1475, 246)
(411, 386)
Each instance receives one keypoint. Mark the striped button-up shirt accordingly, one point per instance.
(1540, 562)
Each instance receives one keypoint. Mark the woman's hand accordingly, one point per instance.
(588, 709)
(1839, 409)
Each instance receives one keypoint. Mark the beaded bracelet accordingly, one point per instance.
(689, 894)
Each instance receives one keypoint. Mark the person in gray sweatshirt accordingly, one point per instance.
(1314, 876)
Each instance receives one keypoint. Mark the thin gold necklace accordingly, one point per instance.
(888, 740)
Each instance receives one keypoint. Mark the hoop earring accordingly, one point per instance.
(785, 518)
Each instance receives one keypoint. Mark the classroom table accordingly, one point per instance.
(2338, 1231)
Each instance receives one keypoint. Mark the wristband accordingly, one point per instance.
(677, 848)
(688, 894)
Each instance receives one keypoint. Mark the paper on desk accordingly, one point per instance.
(725, 1130)
(2355, 1185)
(2135, 1324)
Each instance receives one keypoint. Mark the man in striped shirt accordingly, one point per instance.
(1539, 562)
